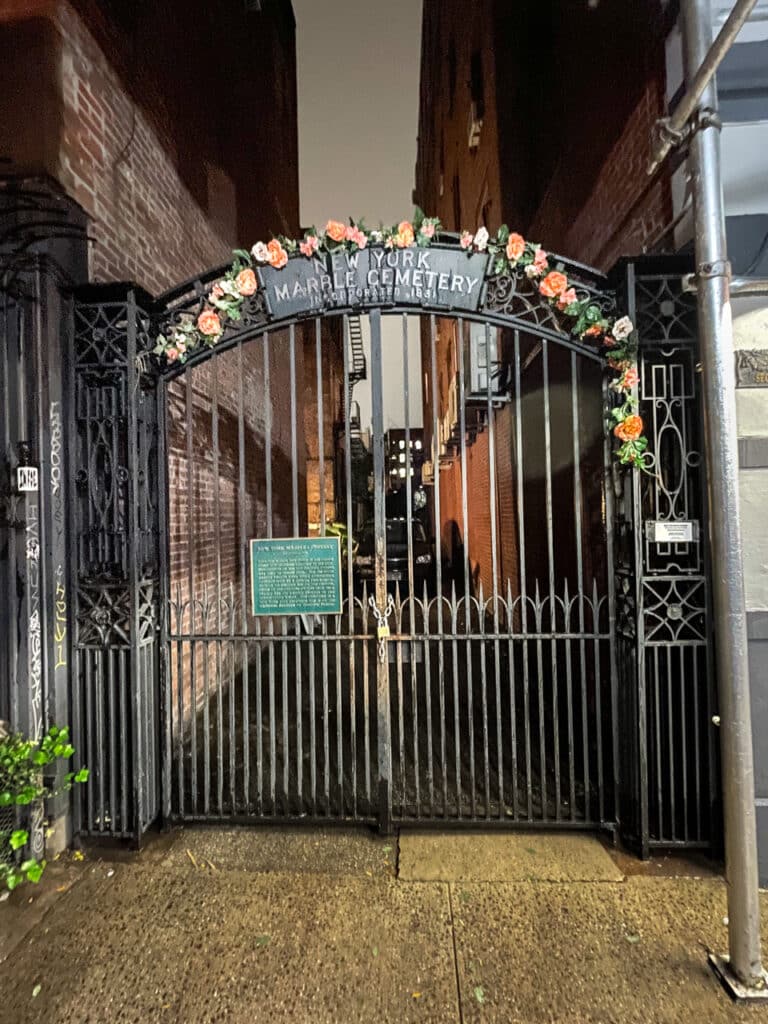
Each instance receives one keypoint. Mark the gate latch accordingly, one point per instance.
(382, 626)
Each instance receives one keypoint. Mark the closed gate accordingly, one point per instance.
(458, 453)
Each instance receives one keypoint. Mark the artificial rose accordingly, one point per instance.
(404, 236)
(629, 429)
(278, 257)
(593, 332)
(540, 261)
(208, 323)
(246, 282)
(481, 239)
(309, 246)
(515, 246)
(567, 298)
(427, 229)
(466, 240)
(216, 292)
(630, 379)
(619, 365)
(357, 237)
(622, 328)
(335, 230)
(260, 252)
(532, 271)
(171, 354)
(554, 284)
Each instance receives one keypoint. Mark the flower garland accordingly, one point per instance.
(509, 252)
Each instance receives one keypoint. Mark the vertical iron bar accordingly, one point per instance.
(438, 552)
(297, 620)
(189, 414)
(350, 544)
(411, 595)
(551, 564)
(523, 587)
(610, 513)
(217, 616)
(380, 533)
(242, 538)
(271, 621)
(493, 515)
(460, 351)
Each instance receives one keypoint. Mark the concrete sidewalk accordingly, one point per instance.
(279, 926)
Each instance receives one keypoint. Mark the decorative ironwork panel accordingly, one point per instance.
(664, 641)
(116, 577)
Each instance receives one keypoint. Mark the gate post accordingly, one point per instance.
(115, 560)
(670, 779)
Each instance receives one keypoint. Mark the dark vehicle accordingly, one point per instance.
(397, 554)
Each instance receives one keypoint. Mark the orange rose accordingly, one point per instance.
(278, 257)
(515, 246)
(405, 236)
(593, 331)
(629, 429)
(335, 230)
(208, 323)
(246, 282)
(553, 284)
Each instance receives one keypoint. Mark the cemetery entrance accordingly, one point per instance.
(350, 556)
(387, 556)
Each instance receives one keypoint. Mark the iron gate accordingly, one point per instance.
(471, 675)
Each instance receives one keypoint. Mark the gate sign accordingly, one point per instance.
(27, 479)
(449, 278)
(296, 576)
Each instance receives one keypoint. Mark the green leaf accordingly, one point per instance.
(33, 870)
(479, 994)
(503, 234)
(18, 839)
(82, 775)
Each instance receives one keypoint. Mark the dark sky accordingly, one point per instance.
(358, 75)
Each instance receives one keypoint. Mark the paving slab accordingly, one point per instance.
(301, 851)
(185, 945)
(629, 953)
(504, 857)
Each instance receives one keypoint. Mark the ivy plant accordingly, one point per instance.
(24, 781)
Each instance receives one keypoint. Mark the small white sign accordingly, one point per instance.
(27, 478)
(665, 532)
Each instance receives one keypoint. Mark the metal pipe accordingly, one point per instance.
(740, 286)
(707, 65)
(715, 333)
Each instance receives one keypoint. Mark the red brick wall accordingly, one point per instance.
(164, 171)
(571, 97)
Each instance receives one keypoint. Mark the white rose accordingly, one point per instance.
(532, 271)
(622, 328)
(481, 238)
(260, 252)
(229, 288)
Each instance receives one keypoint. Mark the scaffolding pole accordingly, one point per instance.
(741, 971)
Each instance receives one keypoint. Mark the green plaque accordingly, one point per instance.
(296, 576)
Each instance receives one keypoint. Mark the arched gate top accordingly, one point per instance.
(414, 268)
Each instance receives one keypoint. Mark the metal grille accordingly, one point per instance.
(493, 698)
(668, 691)
(114, 530)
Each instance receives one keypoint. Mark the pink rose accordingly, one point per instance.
(466, 240)
(171, 354)
(540, 260)
(309, 246)
(428, 230)
(216, 292)
(359, 239)
(566, 298)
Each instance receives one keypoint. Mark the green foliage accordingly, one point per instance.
(22, 782)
